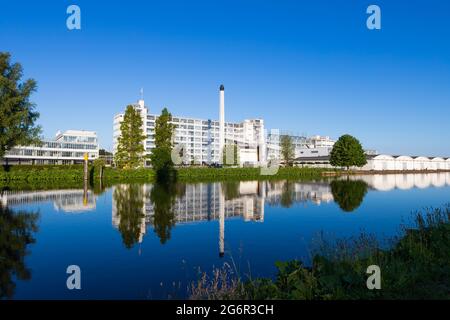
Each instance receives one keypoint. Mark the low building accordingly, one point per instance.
(383, 162)
(68, 147)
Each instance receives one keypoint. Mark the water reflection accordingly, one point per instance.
(128, 212)
(16, 233)
(348, 194)
(161, 206)
(69, 200)
(162, 196)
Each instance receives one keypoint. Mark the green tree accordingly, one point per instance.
(161, 158)
(287, 150)
(348, 194)
(130, 147)
(231, 155)
(347, 152)
(16, 233)
(17, 114)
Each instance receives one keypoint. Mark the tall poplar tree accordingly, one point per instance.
(17, 112)
(161, 157)
(130, 149)
(287, 150)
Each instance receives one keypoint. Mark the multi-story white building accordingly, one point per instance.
(203, 139)
(68, 147)
(304, 147)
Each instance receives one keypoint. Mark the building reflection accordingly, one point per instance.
(67, 200)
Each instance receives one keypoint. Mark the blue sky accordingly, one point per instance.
(304, 66)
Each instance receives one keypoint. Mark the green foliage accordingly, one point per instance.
(17, 114)
(287, 149)
(99, 163)
(34, 173)
(417, 266)
(348, 194)
(61, 175)
(227, 174)
(130, 148)
(347, 152)
(231, 155)
(161, 158)
(16, 233)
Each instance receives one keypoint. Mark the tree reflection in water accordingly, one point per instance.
(129, 202)
(348, 194)
(287, 195)
(163, 197)
(16, 232)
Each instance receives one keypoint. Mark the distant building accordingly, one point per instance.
(383, 162)
(203, 139)
(68, 147)
(304, 147)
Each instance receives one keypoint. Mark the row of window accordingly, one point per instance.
(79, 139)
(76, 146)
(45, 153)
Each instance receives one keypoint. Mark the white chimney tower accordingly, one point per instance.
(221, 123)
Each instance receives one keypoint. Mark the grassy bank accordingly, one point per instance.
(417, 266)
(74, 173)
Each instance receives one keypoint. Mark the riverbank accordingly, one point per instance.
(74, 173)
(416, 266)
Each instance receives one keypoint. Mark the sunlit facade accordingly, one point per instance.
(68, 147)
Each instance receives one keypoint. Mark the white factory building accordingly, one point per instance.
(384, 162)
(203, 139)
(304, 147)
(68, 147)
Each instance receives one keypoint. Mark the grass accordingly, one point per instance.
(416, 266)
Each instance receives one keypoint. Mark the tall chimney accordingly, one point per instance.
(221, 123)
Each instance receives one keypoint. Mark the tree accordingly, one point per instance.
(348, 194)
(231, 155)
(161, 157)
(130, 147)
(17, 114)
(287, 149)
(347, 152)
(16, 233)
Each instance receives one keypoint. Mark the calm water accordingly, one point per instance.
(148, 242)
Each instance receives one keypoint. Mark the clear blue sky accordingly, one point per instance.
(305, 66)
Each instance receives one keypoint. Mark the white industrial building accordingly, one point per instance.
(384, 162)
(304, 147)
(203, 140)
(68, 147)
